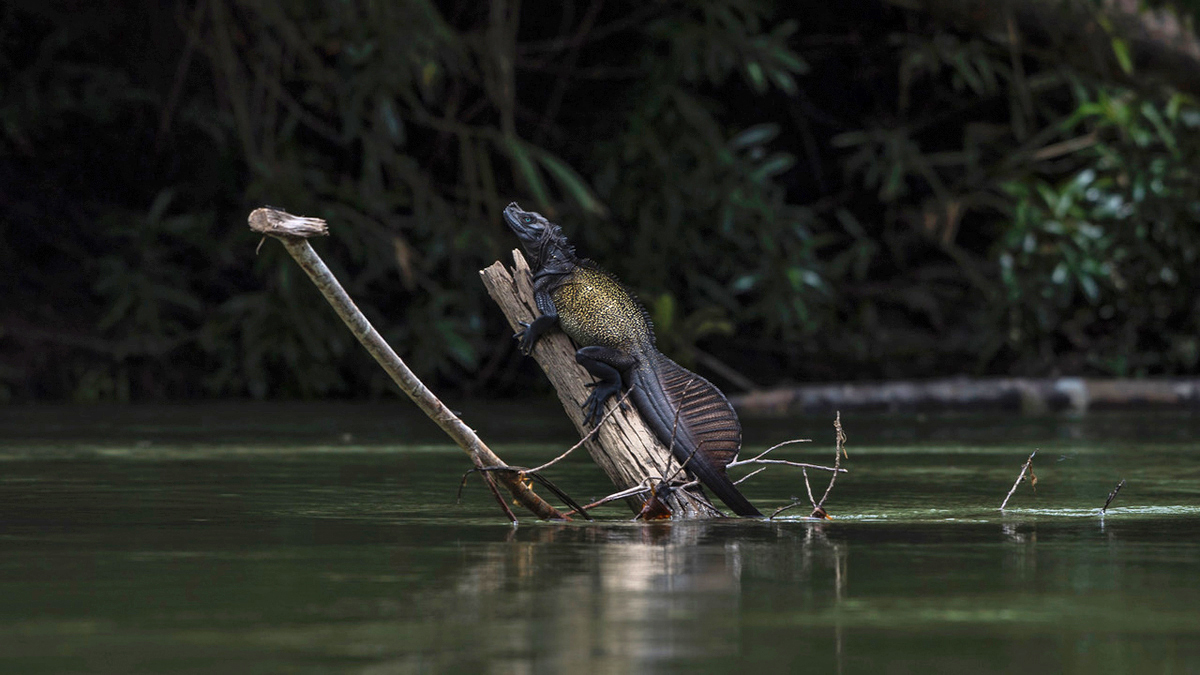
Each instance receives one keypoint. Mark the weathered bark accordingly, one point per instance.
(623, 447)
(292, 232)
(1029, 395)
(1162, 48)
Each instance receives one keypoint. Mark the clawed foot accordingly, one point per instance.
(594, 405)
(525, 346)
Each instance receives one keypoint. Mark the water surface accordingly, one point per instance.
(328, 539)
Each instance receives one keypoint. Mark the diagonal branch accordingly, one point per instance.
(293, 231)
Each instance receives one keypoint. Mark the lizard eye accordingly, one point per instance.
(528, 220)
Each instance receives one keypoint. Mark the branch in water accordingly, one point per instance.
(1028, 466)
(292, 232)
(839, 451)
(1113, 495)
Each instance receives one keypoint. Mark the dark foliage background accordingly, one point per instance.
(798, 191)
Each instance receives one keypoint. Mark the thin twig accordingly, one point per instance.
(683, 466)
(803, 465)
(749, 475)
(762, 454)
(588, 436)
(663, 489)
(675, 429)
(634, 492)
(839, 451)
(817, 511)
(678, 409)
(535, 473)
(562, 43)
(487, 478)
(631, 492)
(808, 487)
(794, 504)
(1021, 476)
(1113, 495)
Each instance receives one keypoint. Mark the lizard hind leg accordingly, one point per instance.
(606, 365)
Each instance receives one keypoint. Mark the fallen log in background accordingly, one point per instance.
(1010, 394)
(623, 447)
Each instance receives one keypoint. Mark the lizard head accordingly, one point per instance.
(543, 240)
(530, 226)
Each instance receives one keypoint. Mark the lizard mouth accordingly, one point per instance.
(510, 213)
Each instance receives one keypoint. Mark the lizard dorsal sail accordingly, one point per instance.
(704, 414)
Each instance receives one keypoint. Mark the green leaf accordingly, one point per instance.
(1121, 51)
(1164, 132)
(785, 81)
(775, 165)
(755, 135)
(664, 312)
(758, 81)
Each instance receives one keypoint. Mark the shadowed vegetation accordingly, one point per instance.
(797, 191)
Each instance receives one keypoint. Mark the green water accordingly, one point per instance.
(327, 539)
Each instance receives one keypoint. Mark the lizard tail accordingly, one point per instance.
(692, 417)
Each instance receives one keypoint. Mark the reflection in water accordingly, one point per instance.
(1020, 556)
(626, 598)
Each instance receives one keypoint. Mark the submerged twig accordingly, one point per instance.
(795, 502)
(487, 478)
(523, 475)
(1112, 495)
(535, 473)
(655, 509)
(292, 231)
(1021, 476)
(809, 488)
(651, 485)
(839, 451)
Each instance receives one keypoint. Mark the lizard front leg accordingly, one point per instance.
(534, 331)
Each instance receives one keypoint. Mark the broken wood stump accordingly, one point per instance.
(623, 447)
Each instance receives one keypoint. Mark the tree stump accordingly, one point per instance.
(623, 447)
